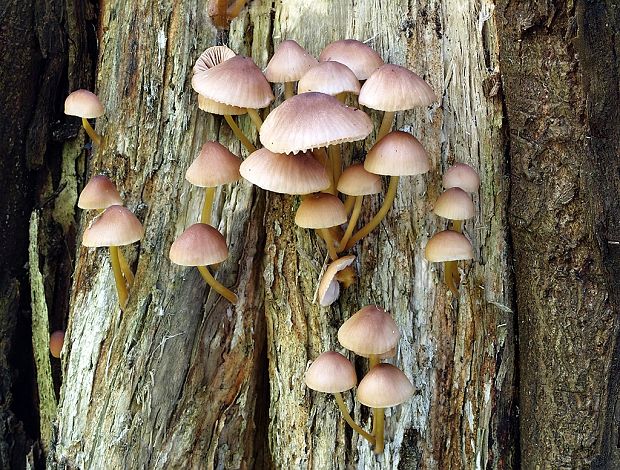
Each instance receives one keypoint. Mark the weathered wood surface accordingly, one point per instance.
(184, 380)
(560, 71)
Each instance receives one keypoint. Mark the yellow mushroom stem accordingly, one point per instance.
(96, 138)
(378, 414)
(256, 119)
(357, 209)
(219, 288)
(349, 202)
(386, 125)
(336, 162)
(379, 216)
(329, 241)
(121, 288)
(125, 269)
(288, 90)
(239, 133)
(451, 277)
(205, 217)
(342, 97)
(347, 417)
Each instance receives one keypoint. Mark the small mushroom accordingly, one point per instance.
(329, 287)
(288, 64)
(57, 339)
(449, 247)
(321, 211)
(85, 104)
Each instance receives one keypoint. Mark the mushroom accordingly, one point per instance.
(202, 245)
(321, 211)
(214, 165)
(397, 154)
(288, 64)
(384, 386)
(85, 104)
(116, 226)
(331, 78)
(356, 55)
(57, 339)
(329, 286)
(333, 373)
(448, 247)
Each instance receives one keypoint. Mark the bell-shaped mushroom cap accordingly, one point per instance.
(461, 175)
(329, 287)
(330, 78)
(289, 63)
(214, 165)
(199, 245)
(57, 339)
(454, 204)
(236, 82)
(356, 55)
(320, 210)
(384, 386)
(213, 56)
(83, 103)
(369, 331)
(448, 246)
(287, 174)
(99, 193)
(397, 154)
(331, 372)
(116, 226)
(356, 181)
(312, 120)
(214, 107)
(394, 88)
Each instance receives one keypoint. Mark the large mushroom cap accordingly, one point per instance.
(199, 245)
(448, 246)
(331, 372)
(84, 104)
(116, 226)
(289, 63)
(397, 154)
(394, 88)
(461, 175)
(99, 193)
(356, 55)
(330, 78)
(287, 174)
(384, 386)
(329, 287)
(320, 210)
(370, 331)
(356, 181)
(236, 82)
(312, 120)
(454, 204)
(211, 57)
(214, 165)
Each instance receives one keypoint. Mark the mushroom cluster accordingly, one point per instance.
(370, 333)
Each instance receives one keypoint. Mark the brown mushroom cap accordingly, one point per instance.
(312, 120)
(448, 246)
(330, 78)
(199, 245)
(370, 331)
(461, 175)
(384, 386)
(397, 154)
(236, 82)
(99, 193)
(57, 339)
(329, 287)
(394, 88)
(331, 372)
(214, 165)
(289, 63)
(356, 55)
(211, 57)
(116, 226)
(356, 181)
(287, 174)
(83, 103)
(320, 210)
(454, 204)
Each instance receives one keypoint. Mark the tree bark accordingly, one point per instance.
(560, 74)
